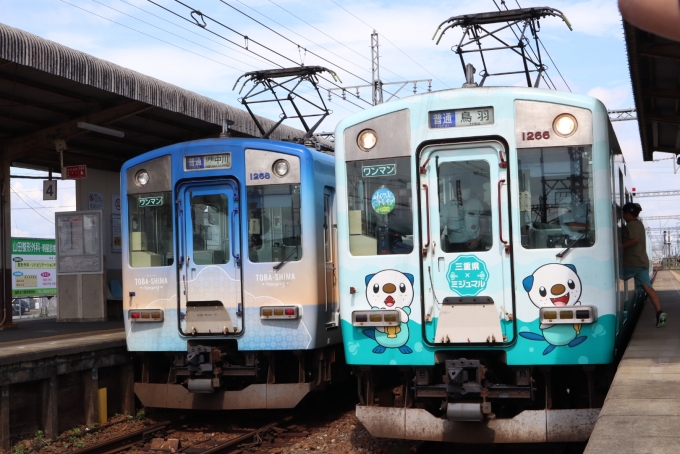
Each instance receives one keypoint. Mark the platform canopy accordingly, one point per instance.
(655, 74)
(47, 89)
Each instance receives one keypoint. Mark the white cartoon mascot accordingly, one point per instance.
(390, 289)
(555, 285)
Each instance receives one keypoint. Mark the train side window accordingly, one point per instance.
(274, 223)
(150, 230)
(210, 229)
(556, 197)
(380, 208)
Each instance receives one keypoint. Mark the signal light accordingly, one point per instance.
(280, 312)
(146, 315)
(379, 317)
(566, 315)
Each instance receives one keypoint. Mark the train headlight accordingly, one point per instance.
(565, 125)
(367, 139)
(141, 178)
(280, 168)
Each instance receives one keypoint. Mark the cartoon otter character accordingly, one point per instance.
(555, 285)
(390, 289)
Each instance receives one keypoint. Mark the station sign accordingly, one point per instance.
(34, 270)
(74, 172)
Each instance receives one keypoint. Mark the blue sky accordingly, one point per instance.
(142, 36)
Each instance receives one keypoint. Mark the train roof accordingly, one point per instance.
(241, 143)
(478, 97)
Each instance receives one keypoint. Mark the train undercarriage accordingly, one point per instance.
(482, 400)
(216, 375)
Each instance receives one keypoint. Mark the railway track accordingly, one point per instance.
(164, 437)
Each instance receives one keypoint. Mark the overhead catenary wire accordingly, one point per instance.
(301, 36)
(387, 39)
(194, 33)
(173, 34)
(299, 46)
(17, 193)
(250, 40)
(150, 36)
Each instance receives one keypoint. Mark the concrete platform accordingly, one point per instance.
(51, 373)
(641, 413)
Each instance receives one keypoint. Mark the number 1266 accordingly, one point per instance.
(538, 135)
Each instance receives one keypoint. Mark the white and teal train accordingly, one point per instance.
(479, 247)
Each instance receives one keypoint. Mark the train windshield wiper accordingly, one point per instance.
(285, 260)
(585, 233)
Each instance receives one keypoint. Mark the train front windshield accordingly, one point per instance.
(380, 207)
(274, 225)
(556, 197)
(150, 228)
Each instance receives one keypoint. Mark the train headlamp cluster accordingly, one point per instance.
(145, 315)
(280, 168)
(280, 312)
(141, 177)
(380, 317)
(367, 139)
(565, 125)
(568, 315)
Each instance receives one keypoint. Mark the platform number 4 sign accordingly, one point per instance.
(50, 190)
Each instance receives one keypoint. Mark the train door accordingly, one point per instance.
(210, 276)
(466, 263)
(330, 258)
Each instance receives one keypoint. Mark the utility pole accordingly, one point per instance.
(377, 84)
(375, 70)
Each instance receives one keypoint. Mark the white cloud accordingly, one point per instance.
(613, 98)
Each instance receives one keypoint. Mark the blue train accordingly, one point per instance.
(479, 244)
(229, 273)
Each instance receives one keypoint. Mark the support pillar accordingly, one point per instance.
(4, 418)
(127, 372)
(50, 420)
(91, 395)
(5, 248)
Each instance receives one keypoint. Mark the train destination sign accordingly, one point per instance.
(463, 117)
(208, 162)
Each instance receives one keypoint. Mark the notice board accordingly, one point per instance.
(79, 242)
(34, 270)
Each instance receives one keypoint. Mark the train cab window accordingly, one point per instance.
(556, 197)
(380, 207)
(210, 229)
(465, 206)
(274, 223)
(150, 229)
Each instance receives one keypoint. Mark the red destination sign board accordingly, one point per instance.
(74, 172)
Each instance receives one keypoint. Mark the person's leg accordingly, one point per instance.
(653, 296)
